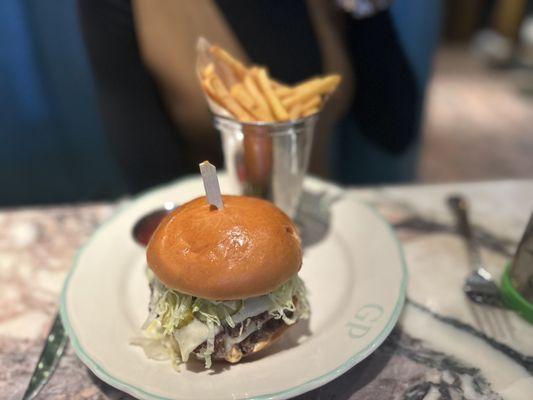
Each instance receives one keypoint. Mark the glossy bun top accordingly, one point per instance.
(247, 249)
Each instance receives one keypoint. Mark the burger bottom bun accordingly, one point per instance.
(234, 355)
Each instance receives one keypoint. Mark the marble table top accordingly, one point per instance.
(437, 351)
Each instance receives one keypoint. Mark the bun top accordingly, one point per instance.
(247, 249)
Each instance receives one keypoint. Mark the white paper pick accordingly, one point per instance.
(211, 186)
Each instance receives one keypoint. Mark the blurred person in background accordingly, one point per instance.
(506, 32)
(156, 118)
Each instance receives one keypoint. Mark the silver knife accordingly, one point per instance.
(47, 364)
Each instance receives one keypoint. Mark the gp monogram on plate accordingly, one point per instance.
(363, 320)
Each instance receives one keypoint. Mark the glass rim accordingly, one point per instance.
(263, 124)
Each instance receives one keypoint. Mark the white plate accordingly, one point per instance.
(353, 268)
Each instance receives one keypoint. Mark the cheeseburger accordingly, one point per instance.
(224, 282)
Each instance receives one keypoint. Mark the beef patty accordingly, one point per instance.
(267, 327)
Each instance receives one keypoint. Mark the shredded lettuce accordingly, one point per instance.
(158, 347)
(171, 311)
(283, 301)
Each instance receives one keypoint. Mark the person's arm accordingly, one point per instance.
(142, 137)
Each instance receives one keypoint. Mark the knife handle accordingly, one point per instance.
(460, 207)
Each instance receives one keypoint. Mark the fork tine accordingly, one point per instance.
(495, 326)
(508, 324)
(493, 323)
(500, 323)
(477, 317)
(505, 324)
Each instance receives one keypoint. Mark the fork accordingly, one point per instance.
(479, 286)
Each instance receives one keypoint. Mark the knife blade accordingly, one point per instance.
(48, 360)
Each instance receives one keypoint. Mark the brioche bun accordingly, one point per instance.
(247, 249)
(234, 355)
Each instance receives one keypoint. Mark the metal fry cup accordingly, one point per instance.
(268, 160)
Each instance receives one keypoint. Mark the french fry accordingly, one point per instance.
(295, 89)
(312, 88)
(295, 111)
(310, 112)
(238, 68)
(313, 102)
(331, 82)
(253, 90)
(208, 70)
(208, 88)
(239, 93)
(282, 91)
(306, 83)
(275, 84)
(254, 96)
(277, 108)
(228, 102)
(302, 91)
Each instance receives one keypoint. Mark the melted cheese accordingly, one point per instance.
(191, 336)
(196, 332)
(252, 307)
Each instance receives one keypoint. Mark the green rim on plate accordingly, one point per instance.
(513, 298)
(109, 378)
